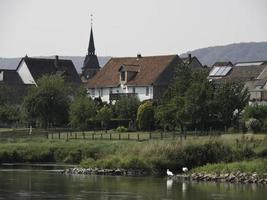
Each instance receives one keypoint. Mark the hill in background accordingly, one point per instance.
(253, 51)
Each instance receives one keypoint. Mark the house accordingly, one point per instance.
(90, 64)
(252, 74)
(144, 77)
(192, 62)
(31, 69)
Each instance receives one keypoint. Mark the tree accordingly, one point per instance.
(104, 115)
(145, 116)
(49, 101)
(198, 100)
(126, 107)
(9, 114)
(230, 99)
(82, 112)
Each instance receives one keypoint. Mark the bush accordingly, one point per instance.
(121, 129)
(254, 125)
(145, 116)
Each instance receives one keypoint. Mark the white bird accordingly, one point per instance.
(185, 169)
(169, 173)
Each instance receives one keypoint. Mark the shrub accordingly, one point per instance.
(145, 116)
(121, 129)
(254, 125)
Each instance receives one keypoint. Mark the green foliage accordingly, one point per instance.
(192, 99)
(255, 111)
(251, 166)
(9, 114)
(230, 99)
(254, 125)
(145, 116)
(82, 112)
(49, 102)
(104, 115)
(126, 107)
(121, 129)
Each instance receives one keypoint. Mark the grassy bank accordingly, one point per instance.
(152, 155)
(256, 165)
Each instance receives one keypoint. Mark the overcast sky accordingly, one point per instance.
(126, 27)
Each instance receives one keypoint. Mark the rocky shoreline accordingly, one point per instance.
(234, 177)
(110, 172)
(237, 177)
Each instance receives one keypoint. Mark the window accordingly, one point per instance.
(133, 89)
(147, 91)
(122, 76)
(93, 92)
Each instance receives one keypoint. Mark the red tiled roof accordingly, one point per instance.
(151, 68)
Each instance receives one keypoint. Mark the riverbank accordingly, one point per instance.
(153, 156)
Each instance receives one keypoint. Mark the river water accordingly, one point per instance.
(46, 183)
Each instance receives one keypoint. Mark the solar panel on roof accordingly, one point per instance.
(248, 64)
(226, 71)
(219, 72)
(214, 71)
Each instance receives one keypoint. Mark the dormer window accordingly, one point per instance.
(128, 72)
(122, 75)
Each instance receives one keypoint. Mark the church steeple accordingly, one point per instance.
(90, 64)
(91, 47)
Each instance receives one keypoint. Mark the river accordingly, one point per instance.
(33, 182)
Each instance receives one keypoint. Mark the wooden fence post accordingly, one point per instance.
(150, 135)
(67, 136)
(83, 135)
(128, 136)
(93, 136)
(119, 136)
(59, 135)
(101, 136)
(110, 136)
(76, 135)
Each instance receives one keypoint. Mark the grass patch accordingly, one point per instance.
(255, 165)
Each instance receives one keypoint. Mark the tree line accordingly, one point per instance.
(191, 102)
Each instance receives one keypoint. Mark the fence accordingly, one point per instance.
(74, 134)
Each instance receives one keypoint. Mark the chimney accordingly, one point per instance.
(56, 63)
(190, 57)
(139, 55)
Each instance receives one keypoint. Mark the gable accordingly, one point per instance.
(25, 73)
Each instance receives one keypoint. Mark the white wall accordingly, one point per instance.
(25, 74)
(141, 92)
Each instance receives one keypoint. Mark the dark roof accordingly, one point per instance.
(42, 66)
(91, 47)
(152, 69)
(225, 63)
(244, 73)
(10, 77)
(192, 62)
(90, 62)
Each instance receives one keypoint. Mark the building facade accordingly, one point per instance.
(144, 77)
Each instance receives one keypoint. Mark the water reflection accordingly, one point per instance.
(169, 184)
(50, 185)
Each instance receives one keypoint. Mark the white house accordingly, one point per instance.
(144, 77)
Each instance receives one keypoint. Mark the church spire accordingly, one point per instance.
(90, 64)
(91, 47)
